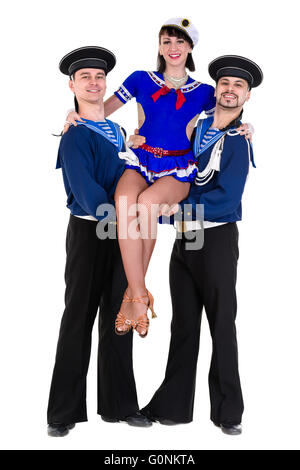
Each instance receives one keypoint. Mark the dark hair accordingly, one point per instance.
(72, 77)
(76, 104)
(171, 31)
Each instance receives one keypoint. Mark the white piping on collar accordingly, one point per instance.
(185, 88)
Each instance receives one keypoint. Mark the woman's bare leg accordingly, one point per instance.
(166, 190)
(130, 185)
(136, 252)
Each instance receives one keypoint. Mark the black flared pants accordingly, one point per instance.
(202, 278)
(95, 280)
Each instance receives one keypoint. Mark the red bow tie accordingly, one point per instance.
(164, 91)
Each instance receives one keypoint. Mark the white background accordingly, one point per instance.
(34, 99)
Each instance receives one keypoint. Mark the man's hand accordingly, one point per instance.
(247, 130)
(136, 140)
(72, 117)
(167, 210)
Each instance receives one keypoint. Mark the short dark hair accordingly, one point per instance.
(76, 104)
(171, 31)
(72, 77)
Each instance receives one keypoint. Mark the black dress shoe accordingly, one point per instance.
(167, 422)
(138, 419)
(109, 420)
(164, 421)
(59, 429)
(135, 419)
(231, 429)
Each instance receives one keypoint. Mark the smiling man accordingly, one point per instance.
(206, 277)
(91, 168)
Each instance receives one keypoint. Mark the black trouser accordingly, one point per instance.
(94, 277)
(205, 277)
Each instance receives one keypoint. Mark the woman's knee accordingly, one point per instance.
(125, 196)
(149, 201)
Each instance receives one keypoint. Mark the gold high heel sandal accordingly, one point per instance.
(121, 320)
(142, 322)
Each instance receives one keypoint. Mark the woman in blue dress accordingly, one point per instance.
(159, 172)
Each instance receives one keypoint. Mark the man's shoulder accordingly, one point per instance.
(82, 134)
(237, 146)
(76, 140)
(76, 132)
(235, 141)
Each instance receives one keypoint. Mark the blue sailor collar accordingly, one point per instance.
(202, 127)
(213, 165)
(115, 128)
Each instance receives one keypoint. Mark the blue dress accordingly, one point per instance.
(166, 120)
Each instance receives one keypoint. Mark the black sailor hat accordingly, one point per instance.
(236, 66)
(87, 57)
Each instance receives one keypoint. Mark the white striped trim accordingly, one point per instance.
(156, 79)
(190, 87)
(182, 173)
(185, 88)
(126, 95)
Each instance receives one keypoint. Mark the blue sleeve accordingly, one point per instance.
(226, 195)
(77, 156)
(210, 103)
(129, 87)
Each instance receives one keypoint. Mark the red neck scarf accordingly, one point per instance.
(164, 91)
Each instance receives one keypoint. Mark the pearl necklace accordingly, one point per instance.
(177, 82)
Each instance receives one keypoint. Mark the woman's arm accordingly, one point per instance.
(111, 105)
(72, 117)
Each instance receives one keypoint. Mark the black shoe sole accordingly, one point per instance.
(110, 420)
(230, 431)
(137, 423)
(54, 432)
(168, 422)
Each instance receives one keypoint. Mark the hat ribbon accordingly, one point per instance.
(164, 91)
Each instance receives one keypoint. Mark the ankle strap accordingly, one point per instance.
(129, 299)
(136, 299)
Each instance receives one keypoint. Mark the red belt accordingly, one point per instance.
(159, 152)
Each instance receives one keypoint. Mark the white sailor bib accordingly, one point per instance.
(217, 141)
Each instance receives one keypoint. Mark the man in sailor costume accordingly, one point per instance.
(206, 277)
(94, 275)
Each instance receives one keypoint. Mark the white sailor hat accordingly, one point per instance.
(236, 66)
(184, 25)
(91, 57)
